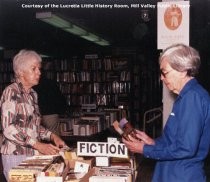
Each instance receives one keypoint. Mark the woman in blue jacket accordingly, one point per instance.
(184, 144)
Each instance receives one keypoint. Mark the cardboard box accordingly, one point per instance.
(54, 178)
(34, 169)
(90, 161)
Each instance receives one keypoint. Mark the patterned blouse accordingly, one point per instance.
(20, 119)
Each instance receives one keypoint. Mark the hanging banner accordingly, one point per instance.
(173, 23)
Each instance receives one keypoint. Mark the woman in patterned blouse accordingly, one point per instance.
(20, 116)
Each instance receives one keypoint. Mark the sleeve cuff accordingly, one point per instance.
(147, 150)
(48, 135)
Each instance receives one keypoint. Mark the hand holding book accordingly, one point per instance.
(132, 138)
(125, 129)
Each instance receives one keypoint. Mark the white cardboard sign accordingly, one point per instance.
(102, 149)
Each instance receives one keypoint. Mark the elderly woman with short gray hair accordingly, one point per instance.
(20, 117)
(182, 148)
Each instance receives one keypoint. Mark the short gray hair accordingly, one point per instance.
(182, 58)
(21, 58)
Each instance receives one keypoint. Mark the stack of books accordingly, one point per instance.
(32, 167)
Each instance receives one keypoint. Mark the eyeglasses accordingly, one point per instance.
(164, 74)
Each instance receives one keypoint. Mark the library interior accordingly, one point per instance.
(103, 58)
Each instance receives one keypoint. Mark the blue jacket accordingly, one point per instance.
(184, 144)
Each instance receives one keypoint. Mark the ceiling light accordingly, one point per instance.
(67, 26)
(103, 42)
(76, 30)
(91, 37)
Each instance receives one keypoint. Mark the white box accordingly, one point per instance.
(102, 161)
(49, 179)
(81, 167)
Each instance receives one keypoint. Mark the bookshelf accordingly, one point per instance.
(129, 80)
(104, 81)
(6, 74)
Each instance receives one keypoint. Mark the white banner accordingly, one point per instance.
(173, 23)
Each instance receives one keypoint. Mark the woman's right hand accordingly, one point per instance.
(46, 149)
(145, 138)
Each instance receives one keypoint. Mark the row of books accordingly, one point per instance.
(90, 64)
(50, 75)
(33, 167)
(105, 64)
(95, 88)
(6, 77)
(111, 88)
(88, 124)
(98, 99)
(111, 174)
(66, 126)
(84, 76)
(67, 64)
(119, 170)
(76, 64)
(6, 66)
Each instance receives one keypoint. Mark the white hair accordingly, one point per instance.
(21, 58)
